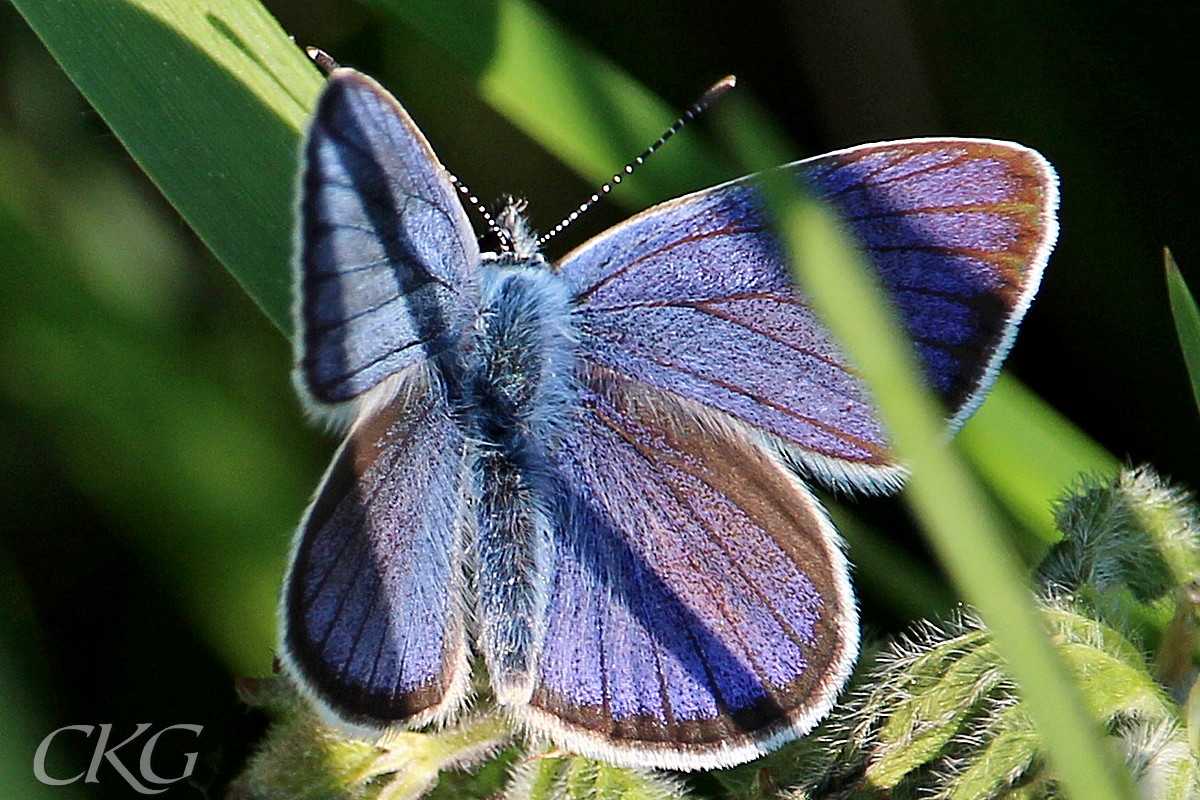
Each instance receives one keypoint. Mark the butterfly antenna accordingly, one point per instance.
(493, 226)
(707, 99)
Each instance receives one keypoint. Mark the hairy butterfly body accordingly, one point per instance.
(586, 474)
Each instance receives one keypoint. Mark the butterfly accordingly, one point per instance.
(589, 476)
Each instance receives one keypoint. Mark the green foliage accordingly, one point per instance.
(940, 714)
(1138, 533)
(304, 759)
(547, 776)
(998, 441)
(209, 98)
(577, 104)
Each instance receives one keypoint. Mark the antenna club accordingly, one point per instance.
(717, 90)
(323, 60)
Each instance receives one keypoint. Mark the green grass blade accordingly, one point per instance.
(209, 97)
(583, 108)
(960, 521)
(1187, 321)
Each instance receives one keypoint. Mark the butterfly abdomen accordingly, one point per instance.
(519, 384)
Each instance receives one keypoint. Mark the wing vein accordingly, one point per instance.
(866, 179)
(856, 441)
(710, 534)
(366, 501)
(730, 229)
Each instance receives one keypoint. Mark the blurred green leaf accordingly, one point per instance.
(1027, 452)
(185, 438)
(209, 97)
(909, 584)
(578, 105)
(24, 721)
(1187, 321)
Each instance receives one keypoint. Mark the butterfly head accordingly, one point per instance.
(514, 243)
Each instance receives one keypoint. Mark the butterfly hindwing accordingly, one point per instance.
(700, 610)
(694, 296)
(386, 252)
(374, 605)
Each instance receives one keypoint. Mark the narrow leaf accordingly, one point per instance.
(209, 97)
(1187, 321)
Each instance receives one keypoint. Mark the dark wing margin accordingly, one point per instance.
(700, 612)
(960, 232)
(385, 253)
(693, 296)
(374, 602)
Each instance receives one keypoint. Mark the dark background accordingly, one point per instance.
(144, 397)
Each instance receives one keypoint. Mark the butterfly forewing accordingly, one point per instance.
(386, 252)
(700, 610)
(959, 232)
(375, 597)
(693, 296)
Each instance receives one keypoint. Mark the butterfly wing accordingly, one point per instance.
(700, 611)
(373, 607)
(386, 252)
(693, 296)
(373, 603)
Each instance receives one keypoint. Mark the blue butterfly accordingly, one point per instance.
(586, 475)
